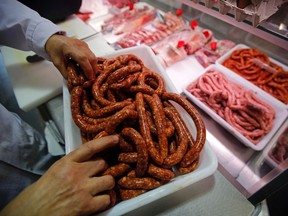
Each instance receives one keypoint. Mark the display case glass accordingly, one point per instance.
(255, 173)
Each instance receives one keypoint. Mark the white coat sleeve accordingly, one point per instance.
(23, 28)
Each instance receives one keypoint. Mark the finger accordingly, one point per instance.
(96, 185)
(87, 150)
(63, 70)
(94, 63)
(99, 203)
(61, 66)
(94, 166)
(85, 61)
(86, 67)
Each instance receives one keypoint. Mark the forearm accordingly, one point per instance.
(23, 28)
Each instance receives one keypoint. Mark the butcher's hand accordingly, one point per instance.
(61, 48)
(69, 187)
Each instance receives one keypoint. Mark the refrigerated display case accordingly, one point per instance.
(261, 25)
(257, 174)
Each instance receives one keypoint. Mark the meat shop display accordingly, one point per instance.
(179, 45)
(128, 20)
(121, 3)
(252, 116)
(122, 21)
(156, 31)
(170, 36)
(162, 136)
(256, 66)
(212, 51)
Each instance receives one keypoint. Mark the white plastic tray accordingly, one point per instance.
(243, 46)
(272, 144)
(208, 161)
(280, 110)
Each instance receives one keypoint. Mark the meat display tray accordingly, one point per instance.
(243, 46)
(280, 110)
(208, 161)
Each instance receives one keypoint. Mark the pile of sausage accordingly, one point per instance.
(124, 97)
(239, 107)
(275, 83)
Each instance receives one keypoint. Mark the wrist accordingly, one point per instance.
(54, 41)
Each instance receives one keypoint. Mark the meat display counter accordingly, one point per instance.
(257, 174)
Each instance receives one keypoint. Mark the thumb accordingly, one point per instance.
(88, 149)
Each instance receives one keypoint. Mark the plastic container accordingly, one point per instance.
(208, 161)
(242, 46)
(280, 110)
(268, 155)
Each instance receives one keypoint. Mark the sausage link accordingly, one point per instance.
(101, 134)
(109, 126)
(117, 170)
(160, 173)
(128, 194)
(189, 168)
(201, 129)
(178, 155)
(132, 174)
(126, 83)
(118, 118)
(123, 72)
(145, 183)
(194, 150)
(125, 146)
(126, 59)
(159, 119)
(108, 69)
(105, 111)
(145, 130)
(141, 148)
(128, 157)
(149, 74)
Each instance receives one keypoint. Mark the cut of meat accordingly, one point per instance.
(129, 20)
(153, 33)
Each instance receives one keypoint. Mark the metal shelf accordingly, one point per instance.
(266, 30)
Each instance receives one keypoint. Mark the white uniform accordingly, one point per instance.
(23, 151)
